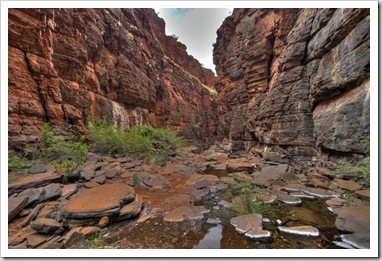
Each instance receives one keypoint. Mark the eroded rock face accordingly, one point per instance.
(70, 66)
(295, 80)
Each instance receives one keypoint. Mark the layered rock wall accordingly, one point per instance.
(71, 66)
(295, 80)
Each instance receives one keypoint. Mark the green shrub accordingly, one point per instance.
(54, 145)
(244, 25)
(244, 203)
(361, 172)
(17, 162)
(139, 141)
(65, 167)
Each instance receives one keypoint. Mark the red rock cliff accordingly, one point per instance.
(295, 80)
(70, 66)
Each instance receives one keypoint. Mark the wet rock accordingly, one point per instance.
(104, 200)
(300, 230)
(36, 239)
(150, 180)
(33, 195)
(131, 209)
(47, 226)
(343, 245)
(258, 234)
(213, 221)
(245, 223)
(103, 222)
(37, 169)
(69, 190)
(301, 195)
(355, 219)
(289, 199)
(34, 181)
(318, 192)
(197, 181)
(184, 213)
(52, 191)
(357, 240)
(15, 206)
(348, 184)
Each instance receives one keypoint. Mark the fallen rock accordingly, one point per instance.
(348, 184)
(131, 209)
(179, 199)
(178, 169)
(36, 239)
(15, 206)
(52, 191)
(275, 172)
(300, 230)
(185, 213)
(69, 190)
(218, 187)
(240, 165)
(37, 180)
(355, 219)
(197, 181)
(225, 204)
(104, 200)
(91, 184)
(213, 221)
(114, 169)
(33, 195)
(36, 169)
(365, 194)
(47, 226)
(334, 202)
(150, 180)
(32, 215)
(357, 240)
(242, 177)
(245, 223)
(103, 222)
(318, 192)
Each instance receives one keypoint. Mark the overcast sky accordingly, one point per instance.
(196, 28)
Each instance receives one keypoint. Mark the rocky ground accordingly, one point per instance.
(47, 209)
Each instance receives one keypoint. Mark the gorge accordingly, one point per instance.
(288, 108)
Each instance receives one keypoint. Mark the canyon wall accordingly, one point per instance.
(295, 81)
(71, 66)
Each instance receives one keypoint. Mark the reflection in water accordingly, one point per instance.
(212, 239)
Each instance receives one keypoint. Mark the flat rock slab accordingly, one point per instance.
(240, 165)
(354, 219)
(266, 198)
(179, 198)
(225, 204)
(357, 240)
(197, 181)
(348, 184)
(334, 202)
(245, 223)
(363, 193)
(52, 191)
(178, 169)
(242, 177)
(150, 180)
(36, 180)
(15, 206)
(185, 213)
(100, 201)
(36, 169)
(289, 199)
(293, 187)
(275, 172)
(33, 195)
(47, 226)
(300, 230)
(36, 239)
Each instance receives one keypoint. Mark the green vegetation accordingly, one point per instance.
(140, 141)
(361, 172)
(95, 241)
(244, 26)
(17, 162)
